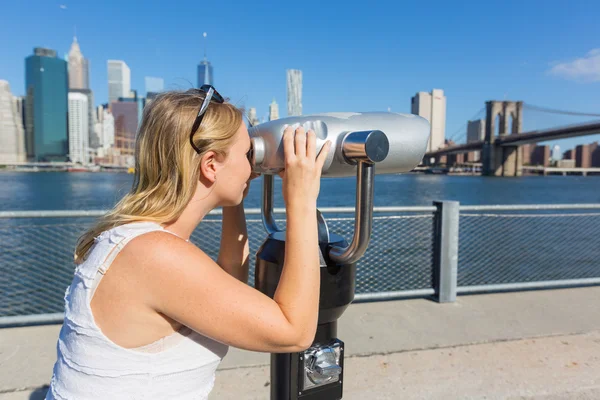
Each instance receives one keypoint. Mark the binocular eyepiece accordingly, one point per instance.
(396, 142)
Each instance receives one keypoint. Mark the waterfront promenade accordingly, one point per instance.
(534, 345)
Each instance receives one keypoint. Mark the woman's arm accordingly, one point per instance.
(234, 255)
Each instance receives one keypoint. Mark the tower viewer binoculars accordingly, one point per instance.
(363, 144)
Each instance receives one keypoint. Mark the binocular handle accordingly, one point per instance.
(364, 148)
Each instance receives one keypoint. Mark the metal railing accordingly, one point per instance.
(439, 251)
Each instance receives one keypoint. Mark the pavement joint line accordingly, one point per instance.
(24, 389)
(454, 346)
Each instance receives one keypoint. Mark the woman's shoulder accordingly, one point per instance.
(156, 246)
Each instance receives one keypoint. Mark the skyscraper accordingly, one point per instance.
(93, 139)
(294, 92)
(252, 117)
(432, 107)
(78, 127)
(79, 69)
(46, 86)
(119, 80)
(273, 111)
(205, 69)
(12, 136)
(205, 73)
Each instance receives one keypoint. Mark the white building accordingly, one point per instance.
(273, 111)
(556, 154)
(252, 117)
(119, 80)
(108, 130)
(105, 129)
(79, 68)
(432, 107)
(12, 135)
(78, 128)
(294, 92)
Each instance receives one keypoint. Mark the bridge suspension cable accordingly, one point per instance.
(463, 129)
(554, 111)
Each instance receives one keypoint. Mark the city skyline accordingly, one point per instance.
(547, 76)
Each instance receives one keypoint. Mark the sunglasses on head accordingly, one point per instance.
(211, 94)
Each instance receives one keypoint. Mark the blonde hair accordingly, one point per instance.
(166, 165)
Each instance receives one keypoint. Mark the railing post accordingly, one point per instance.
(445, 250)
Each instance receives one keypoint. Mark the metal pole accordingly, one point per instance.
(445, 257)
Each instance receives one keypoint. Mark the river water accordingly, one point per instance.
(36, 253)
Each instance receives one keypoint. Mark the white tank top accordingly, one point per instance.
(91, 366)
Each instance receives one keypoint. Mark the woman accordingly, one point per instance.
(148, 314)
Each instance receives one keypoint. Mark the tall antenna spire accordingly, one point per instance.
(204, 35)
(75, 32)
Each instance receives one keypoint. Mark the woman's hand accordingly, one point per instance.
(302, 173)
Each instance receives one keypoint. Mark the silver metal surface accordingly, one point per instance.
(407, 135)
(528, 285)
(363, 218)
(324, 210)
(523, 207)
(31, 320)
(323, 229)
(368, 146)
(322, 365)
(258, 151)
(446, 250)
(267, 204)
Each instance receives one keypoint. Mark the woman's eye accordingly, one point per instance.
(250, 155)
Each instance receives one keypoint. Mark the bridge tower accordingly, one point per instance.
(497, 160)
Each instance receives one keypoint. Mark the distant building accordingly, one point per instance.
(108, 130)
(569, 155)
(252, 117)
(78, 127)
(93, 139)
(583, 156)
(125, 114)
(154, 85)
(46, 88)
(205, 73)
(432, 107)
(294, 92)
(556, 154)
(273, 111)
(105, 127)
(475, 133)
(79, 68)
(595, 155)
(12, 133)
(526, 151)
(541, 156)
(565, 163)
(119, 80)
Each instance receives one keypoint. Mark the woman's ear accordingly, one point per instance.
(209, 166)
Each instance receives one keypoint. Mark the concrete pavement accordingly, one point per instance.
(536, 345)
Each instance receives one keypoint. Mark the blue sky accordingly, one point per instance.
(355, 56)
